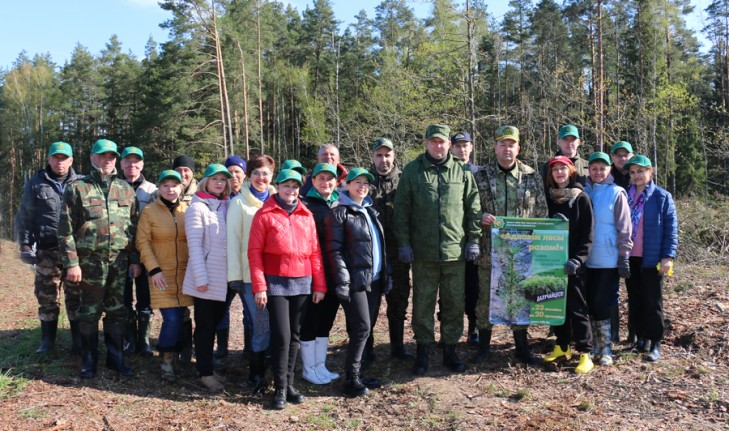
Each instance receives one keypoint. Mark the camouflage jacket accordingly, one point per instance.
(382, 192)
(518, 193)
(189, 192)
(98, 219)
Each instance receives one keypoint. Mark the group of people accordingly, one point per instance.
(296, 245)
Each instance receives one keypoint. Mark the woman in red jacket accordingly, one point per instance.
(286, 266)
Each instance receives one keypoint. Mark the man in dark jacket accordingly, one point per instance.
(569, 142)
(386, 177)
(437, 229)
(37, 223)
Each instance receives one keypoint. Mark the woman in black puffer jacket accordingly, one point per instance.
(355, 247)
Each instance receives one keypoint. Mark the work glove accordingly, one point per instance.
(624, 267)
(571, 267)
(472, 251)
(559, 216)
(405, 254)
(387, 285)
(342, 292)
(236, 286)
(28, 257)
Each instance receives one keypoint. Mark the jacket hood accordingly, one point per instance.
(345, 200)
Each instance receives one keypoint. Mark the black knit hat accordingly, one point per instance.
(183, 161)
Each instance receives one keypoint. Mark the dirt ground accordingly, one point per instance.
(688, 389)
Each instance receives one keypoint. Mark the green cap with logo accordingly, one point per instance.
(132, 150)
(289, 174)
(438, 131)
(598, 156)
(60, 148)
(295, 165)
(507, 132)
(625, 145)
(169, 174)
(325, 167)
(382, 142)
(104, 146)
(639, 161)
(359, 172)
(216, 168)
(568, 130)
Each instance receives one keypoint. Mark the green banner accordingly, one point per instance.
(528, 283)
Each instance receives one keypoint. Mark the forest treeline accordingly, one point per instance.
(252, 76)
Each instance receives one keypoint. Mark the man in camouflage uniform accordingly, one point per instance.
(138, 324)
(185, 166)
(37, 223)
(507, 187)
(437, 228)
(387, 176)
(569, 142)
(96, 239)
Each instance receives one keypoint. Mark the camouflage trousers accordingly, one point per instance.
(431, 279)
(48, 284)
(398, 298)
(102, 290)
(484, 298)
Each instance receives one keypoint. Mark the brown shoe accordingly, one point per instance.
(211, 384)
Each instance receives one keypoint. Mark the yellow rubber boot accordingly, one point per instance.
(558, 353)
(585, 365)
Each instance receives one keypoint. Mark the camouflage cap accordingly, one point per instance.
(507, 132)
(289, 174)
(382, 142)
(568, 130)
(128, 151)
(359, 172)
(438, 131)
(104, 146)
(216, 168)
(60, 148)
(325, 167)
(599, 156)
(295, 165)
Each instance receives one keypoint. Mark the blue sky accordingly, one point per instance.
(56, 26)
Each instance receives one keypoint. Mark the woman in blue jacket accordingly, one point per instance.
(655, 240)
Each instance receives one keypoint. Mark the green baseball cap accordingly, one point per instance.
(568, 130)
(507, 132)
(216, 168)
(289, 174)
(104, 146)
(132, 150)
(382, 142)
(598, 156)
(60, 148)
(639, 161)
(359, 172)
(438, 131)
(625, 145)
(295, 165)
(169, 174)
(325, 167)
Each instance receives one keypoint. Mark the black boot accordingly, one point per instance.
(473, 333)
(130, 334)
(76, 346)
(521, 343)
(222, 350)
(89, 334)
(279, 399)
(614, 324)
(421, 360)
(451, 359)
(257, 369)
(484, 347)
(114, 339)
(353, 387)
(48, 336)
(293, 396)
(368, 356)
(186, 348)
(397, 346)
(144, 331)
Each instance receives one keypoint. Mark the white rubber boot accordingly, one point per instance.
(308, 364)
(322, 343)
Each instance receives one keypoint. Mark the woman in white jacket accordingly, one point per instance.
(206, 275)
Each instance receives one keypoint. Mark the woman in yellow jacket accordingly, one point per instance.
(162, 244)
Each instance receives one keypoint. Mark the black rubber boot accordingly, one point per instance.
(421, 360)
(257, 375)
(114, 339)
(614, 324)
(76, 345)
(279, 399)
(144, 331)
(186, 348)
(222, 350)
(353, 387)
(293, 396)
(130, 335)
(451, 359)
(397, 346)
(473, 333)
(48, 336)
(89, 334)
(484, 347)
(521, 343)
